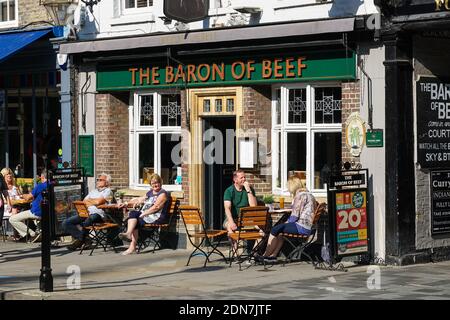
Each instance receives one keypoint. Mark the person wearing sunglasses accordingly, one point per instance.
(74, 225)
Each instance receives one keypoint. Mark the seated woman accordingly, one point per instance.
(300, 220)
(154, 210)
(13, 190)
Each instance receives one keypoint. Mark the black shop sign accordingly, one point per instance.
(440, 202)
(433, 123)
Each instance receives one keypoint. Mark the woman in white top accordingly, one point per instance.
(13, 190)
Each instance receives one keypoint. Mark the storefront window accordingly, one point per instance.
(132, 4)
(306, 134)
(7, 10)
(155, 139)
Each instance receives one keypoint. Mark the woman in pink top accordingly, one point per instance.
(300, 220)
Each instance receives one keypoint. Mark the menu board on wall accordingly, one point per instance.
(440, 202)
(86, 154)
(433, 123)
(351, 222)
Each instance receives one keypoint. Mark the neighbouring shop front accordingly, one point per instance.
(195, 113)
(417, 131)
(30, 111)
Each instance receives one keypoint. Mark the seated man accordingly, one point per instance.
(240, 194)
(17, 220)
(74, 225)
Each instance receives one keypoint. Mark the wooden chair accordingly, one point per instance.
(192, 216)
(98, 231)
(304, 241)
(151, 232)
(252, 225)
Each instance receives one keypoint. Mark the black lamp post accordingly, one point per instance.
(46, 278)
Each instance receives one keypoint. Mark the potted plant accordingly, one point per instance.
(268, 200)
(23, 186)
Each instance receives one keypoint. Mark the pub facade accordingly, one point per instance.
(270, 88)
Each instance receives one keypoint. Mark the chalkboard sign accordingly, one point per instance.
(86, 154)
(440, 202)
(433, 123)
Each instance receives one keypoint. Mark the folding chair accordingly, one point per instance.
(304, 241)
(192, 216)
(98, 231)
(151, 232)
(252, 225)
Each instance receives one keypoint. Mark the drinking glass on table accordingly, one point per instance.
(109, 199)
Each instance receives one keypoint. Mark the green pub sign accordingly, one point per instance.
(374, 138)
(245, 70)
(86, 154)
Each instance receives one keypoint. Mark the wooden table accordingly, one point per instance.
(279, 215)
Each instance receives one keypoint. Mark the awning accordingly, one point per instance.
(212, 36)
(12, 42)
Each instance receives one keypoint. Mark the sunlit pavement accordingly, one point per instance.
(164, 275)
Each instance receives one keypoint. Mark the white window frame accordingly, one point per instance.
(309, 127)
(157, 130)
(11, 23)
(126, 11)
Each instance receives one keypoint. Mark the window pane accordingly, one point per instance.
(296, 155)
(3, 11)
(129, 4)
(206, 105)
(297, 106)
(218, 105)
(170, 110)
(328, 105)
(12, 10)
(146, 157)
(278, 106)
(278, 163)
(327, 152)
(146, 112)
(230, 105)
(170, 157)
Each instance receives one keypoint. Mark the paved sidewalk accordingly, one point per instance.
(163, 275)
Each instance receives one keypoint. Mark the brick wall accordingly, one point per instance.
(31, 12)
(185, 143)
(257, 115)
(350, 103)
(111, 137)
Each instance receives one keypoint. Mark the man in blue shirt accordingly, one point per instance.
(18, 220)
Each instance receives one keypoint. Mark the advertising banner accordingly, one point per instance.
(440, 202)
(351, 222)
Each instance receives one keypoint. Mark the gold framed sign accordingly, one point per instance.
(355, 133)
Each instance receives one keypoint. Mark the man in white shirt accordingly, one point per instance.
(74, 225)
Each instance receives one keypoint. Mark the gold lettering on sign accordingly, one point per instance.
(266, 69)
(191, 73)
(155, 75)
(218, 71)
(143, 75)
(439, 4)
(233, 70)
(300, 65)
(133, 75)
(289, 67)
(199, 72)
(169, 74)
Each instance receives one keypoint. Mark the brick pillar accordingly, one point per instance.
(257, 117)
(111, 138)
(350, 103)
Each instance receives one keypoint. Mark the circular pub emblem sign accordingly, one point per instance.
(355, 132)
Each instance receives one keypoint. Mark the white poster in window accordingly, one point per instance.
(246, 153)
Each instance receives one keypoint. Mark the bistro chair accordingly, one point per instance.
(300, 242)
(192, 217)
(98, 231)
(252, 225)
(151, 232)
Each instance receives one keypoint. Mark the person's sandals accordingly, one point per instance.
(123, 237)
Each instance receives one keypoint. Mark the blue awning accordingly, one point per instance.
(14, 41)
